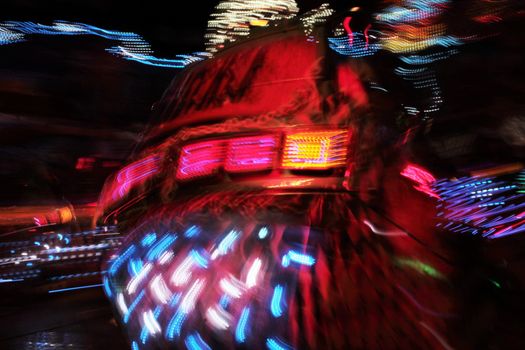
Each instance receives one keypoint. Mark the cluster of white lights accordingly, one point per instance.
(314, 17)
(234, 19)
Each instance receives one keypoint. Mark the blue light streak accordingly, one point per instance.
(75, 288)
(175, 299)
(199, 259)
(227, 242)
(134, 346)
(148, 239)
(277, 344)
(240, 331)
(133, 306)
(293, 256)
(161, 246)
(134, 266)
(195, 342)
(107, 288)
(275, 305)
(192, 231)
(130, 46)
(426, 59)
(488, 207)
(175, 325)
(120, 259)
(144, 335)
(224, 301)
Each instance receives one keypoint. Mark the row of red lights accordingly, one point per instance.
(311, 150)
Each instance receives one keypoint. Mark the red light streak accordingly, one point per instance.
(346, 25)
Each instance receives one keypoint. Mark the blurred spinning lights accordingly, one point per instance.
(201, 284)
(233, 19)
(131, 46)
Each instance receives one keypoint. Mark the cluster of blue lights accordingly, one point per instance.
(357, 47)
(490, 207)
(163, 286)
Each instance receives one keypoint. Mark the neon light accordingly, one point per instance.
(122, 303)
(251, 277)
(161, 246)
(151, 323)
(134, 174)
(132, 46)
(429, 58)
(315, 150)
(166, 257)
(107, 289)
(275, 305)
(422, 177)
(134, 266)
(188, 302)
(263, 232)
(11, 280)
(365, 32)
(192, 231)
(346, 25)
(175, 325)
(160, 289)
(229, 288)
(175, 299)
(382, 232)
(144, 335)
(195, 342)
(232, 20)
(484, 206)
(226, 244)
(224, 301)
(119, 260)
(240, 331)
(148, 239)
(75, 288)
(199, 259)
(182, 273)
(277, 344)
(254, 153)
(137, 280)
(200, 159)
(299, 258)
(133, 305)
(217, 319)
(419, 266)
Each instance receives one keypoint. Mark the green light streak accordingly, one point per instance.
(419, 266)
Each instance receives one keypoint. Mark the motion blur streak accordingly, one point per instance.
(486, 206)
(232, 19)
(132, 46)
(240, 331)
(422, 177)
(200, 159)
